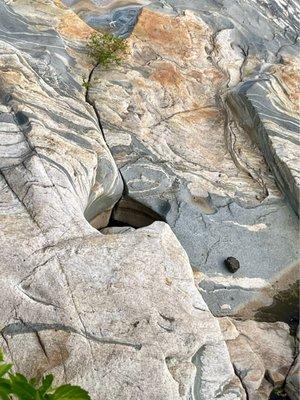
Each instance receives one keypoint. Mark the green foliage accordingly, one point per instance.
(86, 84)
(16, 386)
(278, 393)
(106, 49)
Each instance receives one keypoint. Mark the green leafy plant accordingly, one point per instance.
(106, 49)
(17, 386)
(85, 83)
(278, 393)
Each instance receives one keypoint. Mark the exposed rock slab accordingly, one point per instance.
(131, 317)
(92, 309)
(269, 109)
(185, 153)
(110, 16)
(292, 384)
(41, 92)
(262, 354)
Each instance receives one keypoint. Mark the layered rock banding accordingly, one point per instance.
(180, 134)
(120, 305)
(90, 308)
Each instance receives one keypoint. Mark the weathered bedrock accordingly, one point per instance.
(192, 149)
(114, 16)
(118, 314)
(268, 106)
(262, 355)
(116, 310)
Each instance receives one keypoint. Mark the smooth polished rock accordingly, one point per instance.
(110, 16)
(268, 107)
(262, 354)
(49, 132)
(118, 314)
(183, 150)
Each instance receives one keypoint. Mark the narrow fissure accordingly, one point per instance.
(127, 212)
(241, 381)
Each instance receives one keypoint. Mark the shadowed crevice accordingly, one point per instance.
(129, 212)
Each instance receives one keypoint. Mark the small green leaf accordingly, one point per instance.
(21, 387)
(17, 386)
(4, 395)
(19, 377)
(38, 396)
(5, 388)
(4, 369)
(46, 384)
(33, 382)
(69, 392)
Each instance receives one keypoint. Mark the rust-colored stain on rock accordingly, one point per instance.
(168, 31)
(197, 115)
(167, 75)
(73, 27)
(289, 75)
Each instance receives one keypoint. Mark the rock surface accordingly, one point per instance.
(292, 384)
(118, 314)
(269, 109)
(183, 144)
(117, 310)
(110, 16)
(261, 353)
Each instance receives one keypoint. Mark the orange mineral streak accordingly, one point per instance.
(72, 27)
(167, 75)
(10, 77)
(169, 33)
(59, 4)
(208, 76)
(288, 74)
(197, 115)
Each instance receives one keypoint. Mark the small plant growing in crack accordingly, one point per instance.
(106, 49)
(85, 83)
(17, 386)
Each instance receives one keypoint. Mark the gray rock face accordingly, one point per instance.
(292, 384)
(268, 107)
(42, 93)
(183, 146)
(110, 16)
(261, 353)
(118, 314)
(120, 305)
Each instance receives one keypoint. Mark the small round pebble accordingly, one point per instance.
(232, 264)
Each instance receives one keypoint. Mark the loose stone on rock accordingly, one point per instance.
(232, 264)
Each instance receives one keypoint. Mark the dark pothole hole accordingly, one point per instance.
(131, 213)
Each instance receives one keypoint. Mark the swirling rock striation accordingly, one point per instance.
(118, 314)
(184, 149)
